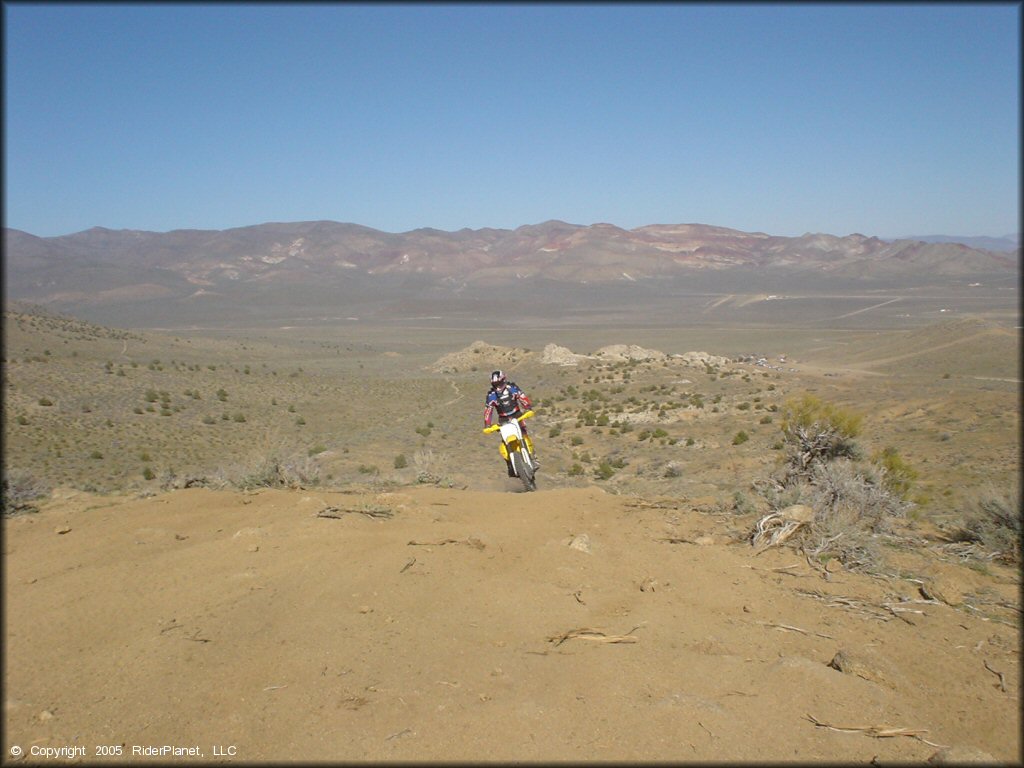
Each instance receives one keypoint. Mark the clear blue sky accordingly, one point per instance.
(874, 118)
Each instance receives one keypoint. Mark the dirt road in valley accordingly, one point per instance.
(434, 624)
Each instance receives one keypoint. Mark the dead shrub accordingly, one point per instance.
(20, 489)
(843, 490)
(169, 480)
(673, 469)
(275, 462)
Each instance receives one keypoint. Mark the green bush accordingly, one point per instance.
(809, 411)
(740, 437)
(400, 461)
(818, 432)
(898, 475)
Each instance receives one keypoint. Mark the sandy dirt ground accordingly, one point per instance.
(437, 624)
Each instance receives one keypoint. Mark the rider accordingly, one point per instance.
(509, 401)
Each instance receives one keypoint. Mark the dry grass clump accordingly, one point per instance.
(994, 522)
(20, 488)
(430, 467)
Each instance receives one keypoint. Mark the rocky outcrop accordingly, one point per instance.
(479, 355)
(553, 354)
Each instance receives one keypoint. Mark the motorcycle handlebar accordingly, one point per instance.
(496, 427)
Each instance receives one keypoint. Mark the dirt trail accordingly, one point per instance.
(435, 624)
(866, 309)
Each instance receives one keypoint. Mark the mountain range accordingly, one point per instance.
(330, 262)
(1006, 243)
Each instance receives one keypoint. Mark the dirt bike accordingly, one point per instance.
(517, 449)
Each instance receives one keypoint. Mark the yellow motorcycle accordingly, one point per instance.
(517, 448)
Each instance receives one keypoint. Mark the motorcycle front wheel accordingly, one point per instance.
(523, 469)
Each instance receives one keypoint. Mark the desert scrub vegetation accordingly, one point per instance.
(293, 471)
(853, 502)
(993, 521)
(285, 470)
(816, 431)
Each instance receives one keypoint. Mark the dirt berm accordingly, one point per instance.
(434, 624)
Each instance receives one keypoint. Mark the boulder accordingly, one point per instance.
(864, 664)
(580, 542)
